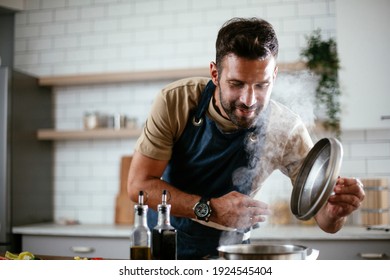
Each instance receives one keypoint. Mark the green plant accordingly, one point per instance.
(321, 57)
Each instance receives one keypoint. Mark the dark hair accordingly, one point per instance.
(250, 38)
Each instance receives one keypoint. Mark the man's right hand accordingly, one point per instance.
(237, 210)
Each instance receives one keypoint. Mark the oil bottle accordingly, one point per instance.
(140, 237)
(164, 235)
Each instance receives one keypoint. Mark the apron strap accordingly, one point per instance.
(203, 104)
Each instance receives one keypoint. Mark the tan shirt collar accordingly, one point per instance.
(224, 124)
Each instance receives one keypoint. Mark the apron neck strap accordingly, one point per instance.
(204, 101)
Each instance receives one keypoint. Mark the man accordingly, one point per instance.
(211, 143)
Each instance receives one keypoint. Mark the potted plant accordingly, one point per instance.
(322, 59)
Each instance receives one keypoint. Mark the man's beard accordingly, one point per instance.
(240, 121)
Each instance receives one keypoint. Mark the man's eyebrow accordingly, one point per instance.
(240, 81)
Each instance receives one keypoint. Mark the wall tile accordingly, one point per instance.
(92, 12)
(298, 25)
(69, 14)
(40, 17)
(353, 135)
(53, 29)
(380, 135)
(282, 10)
(317, 8)
(39, 44)
(23, 31)
(352, 167)
(65, 42)
(379, 166)
(370, 150)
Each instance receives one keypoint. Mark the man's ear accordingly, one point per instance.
(276, 72)
(214, 73)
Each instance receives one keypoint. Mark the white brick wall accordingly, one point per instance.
(181, 33)
(367, 153)
(83, 36)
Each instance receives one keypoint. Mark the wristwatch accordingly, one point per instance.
(202, 209)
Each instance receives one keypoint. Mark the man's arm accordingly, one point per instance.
(231, 210)
(145, 174)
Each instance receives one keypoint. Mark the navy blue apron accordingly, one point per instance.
(203, 161)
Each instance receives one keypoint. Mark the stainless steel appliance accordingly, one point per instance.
(26, 194)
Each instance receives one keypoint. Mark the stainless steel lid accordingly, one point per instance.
(316, 178)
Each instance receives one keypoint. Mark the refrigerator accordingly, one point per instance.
(26, 163)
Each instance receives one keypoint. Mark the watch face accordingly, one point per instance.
(202, 210)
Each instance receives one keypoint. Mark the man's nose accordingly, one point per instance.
(248, 97)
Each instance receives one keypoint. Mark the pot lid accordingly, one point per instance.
(316, 178)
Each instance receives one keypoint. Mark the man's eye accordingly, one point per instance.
(236, 84)
(262, 86)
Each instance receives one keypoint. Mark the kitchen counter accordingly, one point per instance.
(315, 233)
(267, 232)
(83, 230)
(112, 241)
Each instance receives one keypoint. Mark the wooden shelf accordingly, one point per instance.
(121, 77)
(102, 133)
(124, 77)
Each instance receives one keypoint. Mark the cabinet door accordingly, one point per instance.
(363, 40)
(108, 248)
(349, 249)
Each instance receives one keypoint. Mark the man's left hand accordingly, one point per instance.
(348, 196)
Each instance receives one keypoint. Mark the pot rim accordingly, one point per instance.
(238, 249)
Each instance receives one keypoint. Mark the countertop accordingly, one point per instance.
(266, 232)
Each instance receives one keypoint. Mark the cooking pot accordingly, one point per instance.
(267, 252)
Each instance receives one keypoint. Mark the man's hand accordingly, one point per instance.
(237, 210)
(348, 196)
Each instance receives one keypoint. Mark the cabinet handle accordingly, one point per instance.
(82, 249)
(385, 117)
(373, 256)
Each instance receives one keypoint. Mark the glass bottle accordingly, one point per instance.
(140, 238)
(164, 235)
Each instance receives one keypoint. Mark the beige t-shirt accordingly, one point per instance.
(284, 146)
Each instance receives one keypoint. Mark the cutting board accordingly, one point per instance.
(124, 208)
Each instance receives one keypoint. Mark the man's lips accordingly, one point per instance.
(245, 112)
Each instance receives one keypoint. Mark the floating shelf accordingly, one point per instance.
(121, 77)
(51, 134)
(124, 77)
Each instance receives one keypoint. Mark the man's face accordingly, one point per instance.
(244, 88)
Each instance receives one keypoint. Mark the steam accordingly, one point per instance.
(294, 90)
(297, 92)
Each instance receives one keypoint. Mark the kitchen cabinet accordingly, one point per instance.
(337, 249)
(350, 243)
(68, 246)
(118, 248)
(363, 42)
(106, 241)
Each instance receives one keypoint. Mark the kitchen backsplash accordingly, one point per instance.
(70, 37)
(87, 171)
(54, 37)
